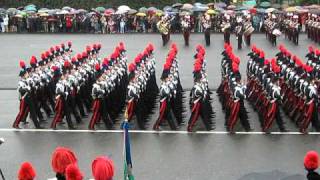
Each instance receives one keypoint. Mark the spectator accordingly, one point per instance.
(26, 172)
(6, 23)
(61, 158)
(102, 168)
(1, 24)
(311, 163)
(122, 25)
(73, 173)
(103, 21)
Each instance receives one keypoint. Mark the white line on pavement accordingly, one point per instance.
(150, 131)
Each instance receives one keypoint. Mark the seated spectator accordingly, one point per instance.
(26, 172)
(61, 158)
(102, 168)
(311, 163)
(73, 172)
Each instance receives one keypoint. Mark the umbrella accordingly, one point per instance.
(141, 14)
(241, 8)
(63, 12)
(210, 4)
(11, 11)
(265, 4)
(167, 8)
(231, 7)
(152, 9)
(100, 9)
(143, 9)
(30, 8)
(211, 12)
(177, 5)
(123, 8)
(67, 8)
(132, 11)
(199, 9)
(276, 6)
(43, 14)
(291, 9)
(270, 10)
(250, 3)
(81, 11)
(187, 6)
(261, 11)
(314, 11)
(159, 12)
(184, 13)
(220, 5)
(43, 10)
(121, 11)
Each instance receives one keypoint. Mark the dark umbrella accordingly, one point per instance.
(177, 5)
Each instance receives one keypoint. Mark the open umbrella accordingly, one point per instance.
(123, 8)
(43, 10)
(177, 5)
(141, 14)
(159, 12)
(270, 10)
(220, 5)
(250, 3)
(152, 9)
(100, 9)
(143, 9)
(43, 14)
(265, 4)
(132, 11)
(211, 12)
(291, 9)
(62, 12)
(67, 8)
(261, 11)
(276, 6)
(30, 9)
(231, 7)
(121, 11)
(187, 6)
(242, 8)
(210, 4)
(81, 11)
(10, 11)
(314, 11)
(167, 8)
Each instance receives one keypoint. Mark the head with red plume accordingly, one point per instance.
(166, 71)
(73, 172)
(197, 71)
(311, 160)
(132, 68)
(26, 172)
(102, 168)
(98, 70)
(61, 158)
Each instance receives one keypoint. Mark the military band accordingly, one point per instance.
(164, 26)
(206, 24)
(226, 28)
(186, 28)
(313, 27)
(272, 28)
(292, 27)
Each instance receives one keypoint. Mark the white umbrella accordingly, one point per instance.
(270, 10)
(121, 11)
(124, 8)
(63, 12)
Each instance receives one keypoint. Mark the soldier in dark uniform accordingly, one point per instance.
(239, 31)
(226, 28)
(26, 102)
(186, 28)
(206, 24)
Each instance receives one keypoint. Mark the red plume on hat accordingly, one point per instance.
(317, 52)
(131, 67)
(310, 48)
(26, 172)
(121, 44)
(22, 64)
(105, 61)
(52, 49)
(62, 45)
(197, 66)
(225, 45)
(79, 56)
(102, 168)
(281, 47)
(308, 69)
(97, 67)
(88, 49)
(33, 60)
(57, 48)
(69, 43)
(261, 54)
(266, 62)
(73, 59)
(73, 172)
(137, 59)
(253, 48)
(151, 47)
(235, 67)
(236, 60)
(94, 46)
(173, 46)
(276, 68)
(61, 158)
(47, 53)
(311, 160)
(66, 64)
(43, 56)
(166, 66)
(84, 54)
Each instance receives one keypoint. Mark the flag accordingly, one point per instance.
(127, 152)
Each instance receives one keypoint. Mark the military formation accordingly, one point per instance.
(70, 87)
(313, 27)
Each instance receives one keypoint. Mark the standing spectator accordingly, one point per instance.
(68, 24)
(103, 21)
(122, 25)
(1, 24)
(6, 23)
(45, 24)
(110, 25)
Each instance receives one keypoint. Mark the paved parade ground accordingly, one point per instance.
(166, 155)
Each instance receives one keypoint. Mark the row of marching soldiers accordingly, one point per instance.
(232, 92)
(109, 89)
(284, 82)
(142, 90)
(61, 81)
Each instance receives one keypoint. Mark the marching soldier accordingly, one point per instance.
(226, 28)
(27, 104)
(200, 100)
(206, 24)
(231, 92)
(186, 28)
(239, 31)
(164, 28)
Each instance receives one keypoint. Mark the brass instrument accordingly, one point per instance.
(248, 29)
(163, 27)
(225, 26)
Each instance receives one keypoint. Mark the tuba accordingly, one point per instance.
(225, 26)
(163, 27)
